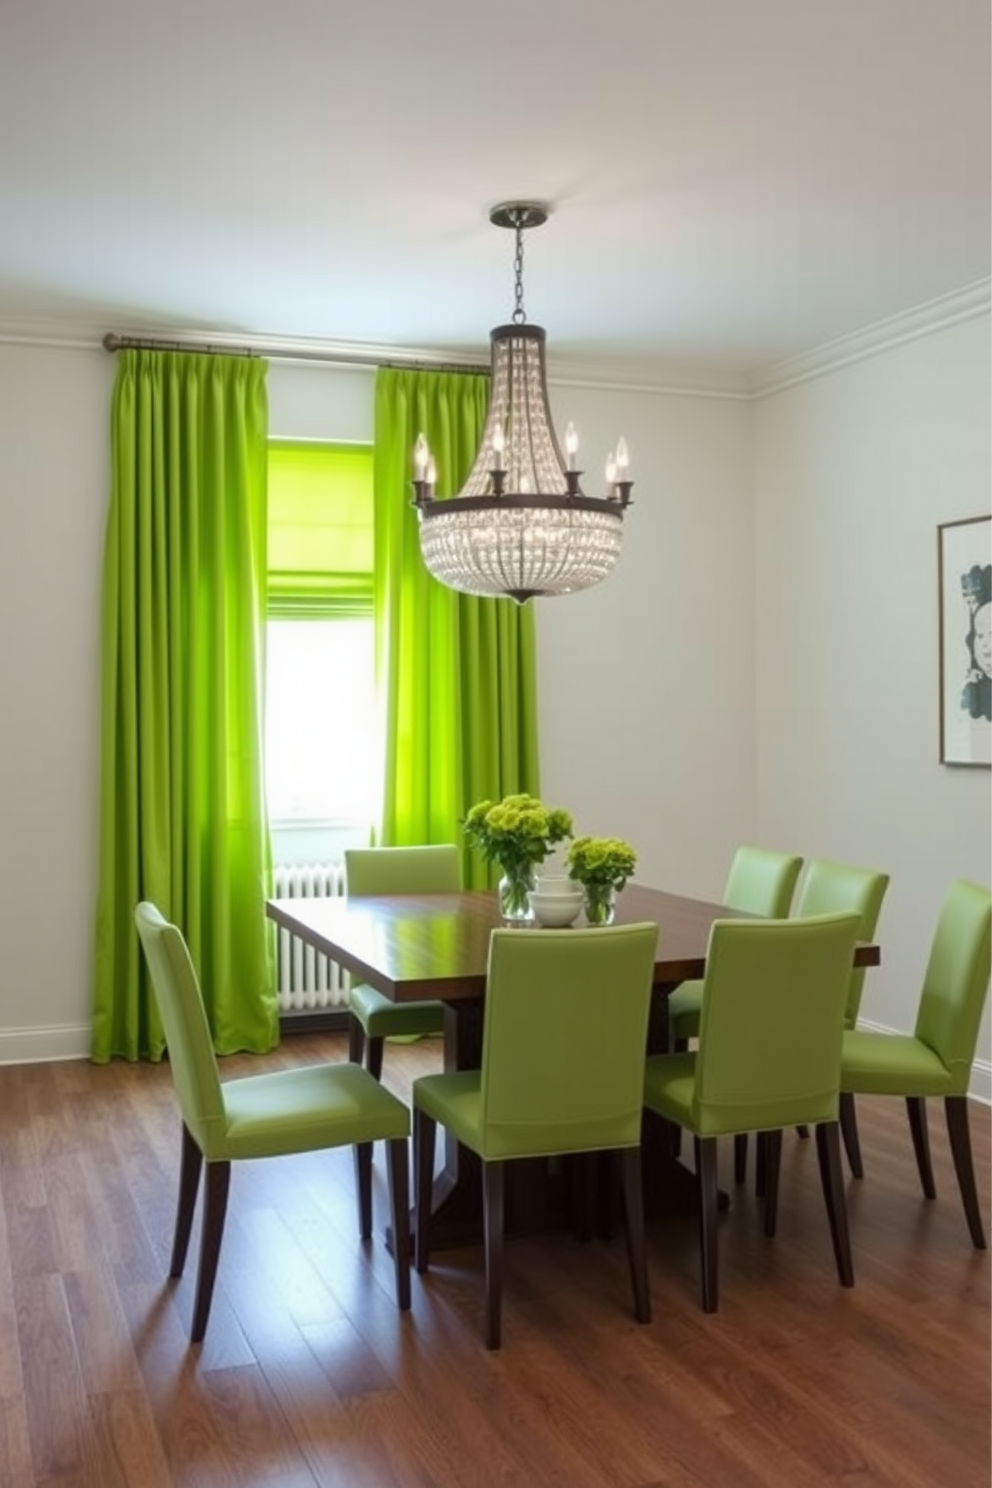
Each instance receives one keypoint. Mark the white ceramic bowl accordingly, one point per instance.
(555, 910)
(557, 884)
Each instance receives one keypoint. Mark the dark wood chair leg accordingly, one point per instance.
(760, 1166)
(373, 1057)
(678, 1046)
(706, 1177)
(399, 1213)
(832, 1179)
(633, 1209)
(492, 1218)
(363, 1186)
(217, 1184)
(849, 1131)
(190, 1164)
(916, 1109)
(583, 1195)
(424, 1136)
(740, 1157)
(356, 1040)
(956, 1111)
(609, 1197)
(771, 1142)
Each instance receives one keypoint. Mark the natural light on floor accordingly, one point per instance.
(320, 760)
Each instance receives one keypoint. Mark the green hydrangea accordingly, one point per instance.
(601, 860)
(517, 832)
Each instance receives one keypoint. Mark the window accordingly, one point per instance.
(321, 763)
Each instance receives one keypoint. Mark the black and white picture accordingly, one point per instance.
(965, 580)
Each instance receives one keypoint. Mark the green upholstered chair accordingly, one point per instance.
(394, 870)
(760, 882)
(936, 1059)
(541, 1095)
(269, 1115)
(766, 1059)
(831, 888)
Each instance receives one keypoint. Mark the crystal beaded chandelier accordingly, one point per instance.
(521, 526)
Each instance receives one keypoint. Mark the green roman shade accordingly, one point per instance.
(320, 531)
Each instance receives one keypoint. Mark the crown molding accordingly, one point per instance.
(647, 376)
(615, 375)
(964, 304)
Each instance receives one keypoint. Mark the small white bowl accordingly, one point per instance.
(554, 911)
(557, 884)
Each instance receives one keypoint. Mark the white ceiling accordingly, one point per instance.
(734, 182)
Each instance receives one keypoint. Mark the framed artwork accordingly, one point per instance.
(964, 576)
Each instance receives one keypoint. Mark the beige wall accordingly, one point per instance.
(761, 665)
(852, 473)
(647, 681)
(54, 420)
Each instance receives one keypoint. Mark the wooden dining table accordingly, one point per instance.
(436, 946)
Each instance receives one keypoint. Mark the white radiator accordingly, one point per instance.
(306, 980)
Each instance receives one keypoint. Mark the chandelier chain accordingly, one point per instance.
(519, 314)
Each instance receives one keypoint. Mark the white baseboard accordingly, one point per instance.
(980, 1088)
(72, 1041)
(43, 1045)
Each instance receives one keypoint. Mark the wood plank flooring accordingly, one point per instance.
(309, 1376)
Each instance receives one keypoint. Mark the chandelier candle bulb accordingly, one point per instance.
(499, 444)
(571, 445)
(623, 461)
(421, 455)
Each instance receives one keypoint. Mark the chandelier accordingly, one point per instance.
(521, 526)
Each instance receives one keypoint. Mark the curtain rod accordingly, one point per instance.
(112, 342)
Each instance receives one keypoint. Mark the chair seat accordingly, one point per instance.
(670, 1090)
(684, 1007)
(380, 1017)
(454, 1100)
(893, 1064)
(303, 1110)
(669, 1084)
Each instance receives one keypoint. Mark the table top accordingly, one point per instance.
(414, 946)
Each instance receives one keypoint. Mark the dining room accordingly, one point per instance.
(775, 660)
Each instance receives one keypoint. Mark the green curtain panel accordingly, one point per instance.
(182, 812)
(456, 675)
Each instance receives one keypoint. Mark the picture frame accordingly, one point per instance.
(964, 579)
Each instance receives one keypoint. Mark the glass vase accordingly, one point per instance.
(514, 893)
(600, 903)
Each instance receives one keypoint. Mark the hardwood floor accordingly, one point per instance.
(310, 1376)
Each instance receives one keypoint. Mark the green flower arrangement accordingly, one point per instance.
(517, 832)
(604, 862)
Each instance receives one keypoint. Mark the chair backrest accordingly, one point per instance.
(564, 1038)
(403, 870)
(187, 1032)
(772, 1023)
(832, 888)
(761, 882)
(956, 983)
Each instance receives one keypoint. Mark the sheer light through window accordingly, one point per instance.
(320, 721)
(321, 760)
